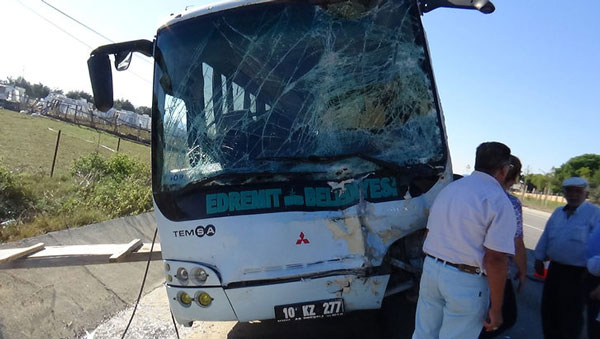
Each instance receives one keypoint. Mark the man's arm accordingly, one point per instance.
(540, 250)
(496, 265)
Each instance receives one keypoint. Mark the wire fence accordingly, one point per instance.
(125, 124)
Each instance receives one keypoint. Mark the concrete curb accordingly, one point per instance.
(64, 302)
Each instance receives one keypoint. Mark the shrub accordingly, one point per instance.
(15, 199)
(98, 189)
(119, 185)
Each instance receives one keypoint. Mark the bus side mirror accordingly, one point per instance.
(484, 6)
(100, 69)
(101, 77)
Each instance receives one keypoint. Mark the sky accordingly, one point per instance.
(527, 75)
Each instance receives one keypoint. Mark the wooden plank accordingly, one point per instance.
(132, 246)
(77, 255)
(16, 253)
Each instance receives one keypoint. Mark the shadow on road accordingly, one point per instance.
(394, 320)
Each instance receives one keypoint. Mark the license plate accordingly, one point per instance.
(310, 310)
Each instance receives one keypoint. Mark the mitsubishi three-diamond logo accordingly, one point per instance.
(302, 240)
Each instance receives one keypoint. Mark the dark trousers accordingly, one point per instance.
(593, 307)
(563, 300)
(509, 312)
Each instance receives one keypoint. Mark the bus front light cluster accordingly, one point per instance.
(187, 274)
(167, 269)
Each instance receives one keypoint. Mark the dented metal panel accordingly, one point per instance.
(257, 303)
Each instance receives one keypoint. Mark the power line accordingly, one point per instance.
(73, 36)
(86, 26)
(53, 24)
(77, 21)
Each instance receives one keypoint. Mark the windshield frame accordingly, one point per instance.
(382, 171)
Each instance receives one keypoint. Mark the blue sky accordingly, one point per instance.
(527, 75)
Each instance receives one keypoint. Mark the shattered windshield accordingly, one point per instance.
(292, 87)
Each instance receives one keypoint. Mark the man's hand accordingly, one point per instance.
(494, 320)
(539, 267)
(496, 265)
(595, 294)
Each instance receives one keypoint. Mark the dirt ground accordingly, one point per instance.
(153, 320)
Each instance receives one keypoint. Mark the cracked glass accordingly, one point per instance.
(292, 87)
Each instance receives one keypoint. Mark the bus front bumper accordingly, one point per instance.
(259, 302)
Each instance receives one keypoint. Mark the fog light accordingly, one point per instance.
(200, 275)
(185, 299)
(204, 299)
(182, 274)
(167, 266)
(169, 277)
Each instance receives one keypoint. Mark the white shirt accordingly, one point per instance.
(468, 215)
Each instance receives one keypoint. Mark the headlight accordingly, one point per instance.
(200, 275)
(182, 274)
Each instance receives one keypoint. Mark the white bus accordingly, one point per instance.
(296, 149)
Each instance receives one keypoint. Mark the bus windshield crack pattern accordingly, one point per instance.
(293, 81)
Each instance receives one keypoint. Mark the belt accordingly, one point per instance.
(461, 267)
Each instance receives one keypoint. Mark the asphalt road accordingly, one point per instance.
(529, 323)
(394, 320)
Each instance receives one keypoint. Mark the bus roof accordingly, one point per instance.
(215, 7)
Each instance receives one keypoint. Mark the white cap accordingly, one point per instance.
(575, 181)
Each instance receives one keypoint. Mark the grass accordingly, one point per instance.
(90, 182)
(28, 144)
(97, 189)
(543, 205)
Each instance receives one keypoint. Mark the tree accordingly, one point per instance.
(585, 166)
(144, 110)
(38, 90)
(80, 95)
(539, 181)
(124, 104)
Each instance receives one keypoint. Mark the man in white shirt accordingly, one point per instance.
(471, 230)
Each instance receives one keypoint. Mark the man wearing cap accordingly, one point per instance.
(471, 230)
(563, 242)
